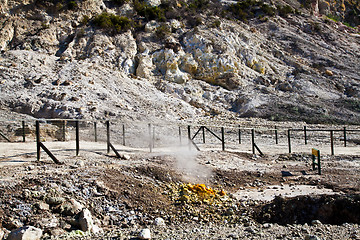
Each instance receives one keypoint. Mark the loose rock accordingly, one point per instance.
(25, 233)
(145, 234)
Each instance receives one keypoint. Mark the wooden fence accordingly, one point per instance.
(201, 131)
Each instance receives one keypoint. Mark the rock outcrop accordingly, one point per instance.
(69, 67)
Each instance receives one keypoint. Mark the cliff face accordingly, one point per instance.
(180, 60)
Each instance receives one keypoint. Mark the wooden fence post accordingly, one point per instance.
(37, 125)
(332, 141)
(253, 140)
(239, 135)
(108, 135)
(203, 133)
(344, 136)
(189, 136)
(23, 130)
(289, 140)
(223, 138)
(64, 130)
(123, 131)
(305, 135)
(276, 136)
(95, 131)
(77, 137)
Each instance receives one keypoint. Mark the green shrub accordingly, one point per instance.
(149, 12)
(120, 2)
(244, 10)
(112, 22)
(72, 5)
(85, 19)
(162, 31)
(216, 24)
(285, 10)
(333, 17)
(198, 4)
(268, 10)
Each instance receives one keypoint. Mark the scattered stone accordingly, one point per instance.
(56, 82)
(67, 83)
(159, 221)
(311, 237)
(74, 99)
(48, 223)
(25, 233)
(55, 200)
(144, 234)
(86, 222)
(2, 233)
(267, 225)
(316, 222)
(71, 207)
(80, 163)
(329, 73)
(11, 223)
(57, 231)
(42, 206)
(250, 229)
(38, 80)
(30, 167)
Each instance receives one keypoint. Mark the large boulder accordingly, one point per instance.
(86, 222)
(25, 233)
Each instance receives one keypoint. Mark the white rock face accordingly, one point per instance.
(6, 33)
(159, 221)
(145, 234)
(175, 24)
(1, 234)
(3, 6)
(86, 222)
(167, 62)
(153, 3)
(151, 26)
(25, 233)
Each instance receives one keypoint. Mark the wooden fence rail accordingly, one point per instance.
(201, 131)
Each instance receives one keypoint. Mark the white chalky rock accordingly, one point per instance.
(159, 221)
(153, 3)
(86, 222)
(25, 233)
(151, 26)
(145, 234)
(2, 233)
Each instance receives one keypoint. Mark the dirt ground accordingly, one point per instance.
(127, 194)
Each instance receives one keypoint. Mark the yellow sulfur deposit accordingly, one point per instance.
(199, 193)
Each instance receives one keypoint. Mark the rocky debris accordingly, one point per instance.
(2, 233)
(144, 234)
(25, 233)
(86, 222)
(159, 222)
(119, 197)
(311, 237)
(70, 207)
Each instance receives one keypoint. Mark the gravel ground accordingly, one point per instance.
(126, 195)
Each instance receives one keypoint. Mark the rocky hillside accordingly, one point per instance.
(175, 60)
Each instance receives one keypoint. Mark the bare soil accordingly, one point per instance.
(127, 194)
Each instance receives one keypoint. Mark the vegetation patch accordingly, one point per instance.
(113, 23)
(149, 12)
